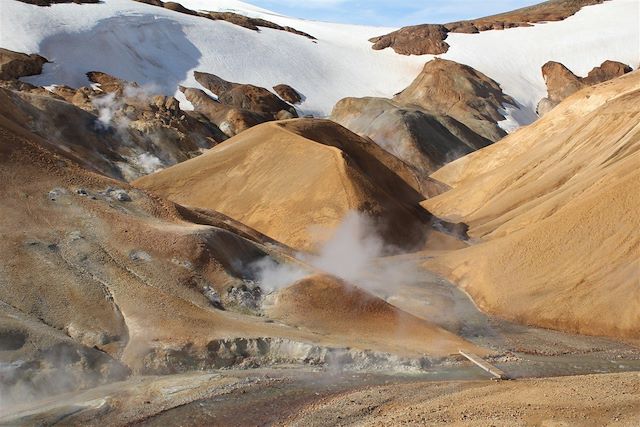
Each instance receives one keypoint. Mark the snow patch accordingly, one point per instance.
(515, 117)
(151, 45)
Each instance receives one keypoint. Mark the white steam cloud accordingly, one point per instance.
(149, 163)
(106, 106)
(349, 252)
(352, 253)
(273, 276)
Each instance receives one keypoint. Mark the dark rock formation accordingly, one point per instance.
(423, 140)
(447, 88)
(562, 83)
(238, 106)
(606, 71)
(245, 96)
(250, 23)
(109, 83)
(231, 120)
(554, 10)
(430, 38)
(50, 2)
(288, 93)
(416, 40)
(14, 65)
(448, 111)
(253, 23)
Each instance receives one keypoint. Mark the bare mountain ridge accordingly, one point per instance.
(448, 111)
(429, 39)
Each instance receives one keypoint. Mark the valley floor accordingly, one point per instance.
(560, 379)
(305, 397)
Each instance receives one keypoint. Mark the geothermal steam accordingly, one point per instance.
(352, 254)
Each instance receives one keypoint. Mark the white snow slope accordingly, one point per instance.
(158, 47)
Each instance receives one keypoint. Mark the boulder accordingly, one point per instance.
(245, 96)
(562, 82)
(288, 93)
(426, 39)
(14, 65)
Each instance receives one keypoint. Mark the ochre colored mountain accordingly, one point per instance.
(555, 210)
(296, 180)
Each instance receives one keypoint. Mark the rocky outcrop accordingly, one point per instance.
(430, 38)
(288, 93)
(415, 40)
(109, 83)
(238, 106)
(117, 129)
(246, 97)
(250, 23)
(554, 10)
(461, 92)
(448, 111)
(423, 140)
(14, 65)
(230, 120)
(562, 83)
(606, 71)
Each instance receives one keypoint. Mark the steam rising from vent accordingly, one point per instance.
(352, 254)
(149, 162)
(350, 250)
(116, 113)
(273, 276)
(106, 106)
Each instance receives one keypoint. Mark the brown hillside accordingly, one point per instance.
(285, 179)
(559, 216)
(327, 305)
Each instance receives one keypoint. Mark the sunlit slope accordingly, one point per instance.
(295, 181)
(558, 212)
